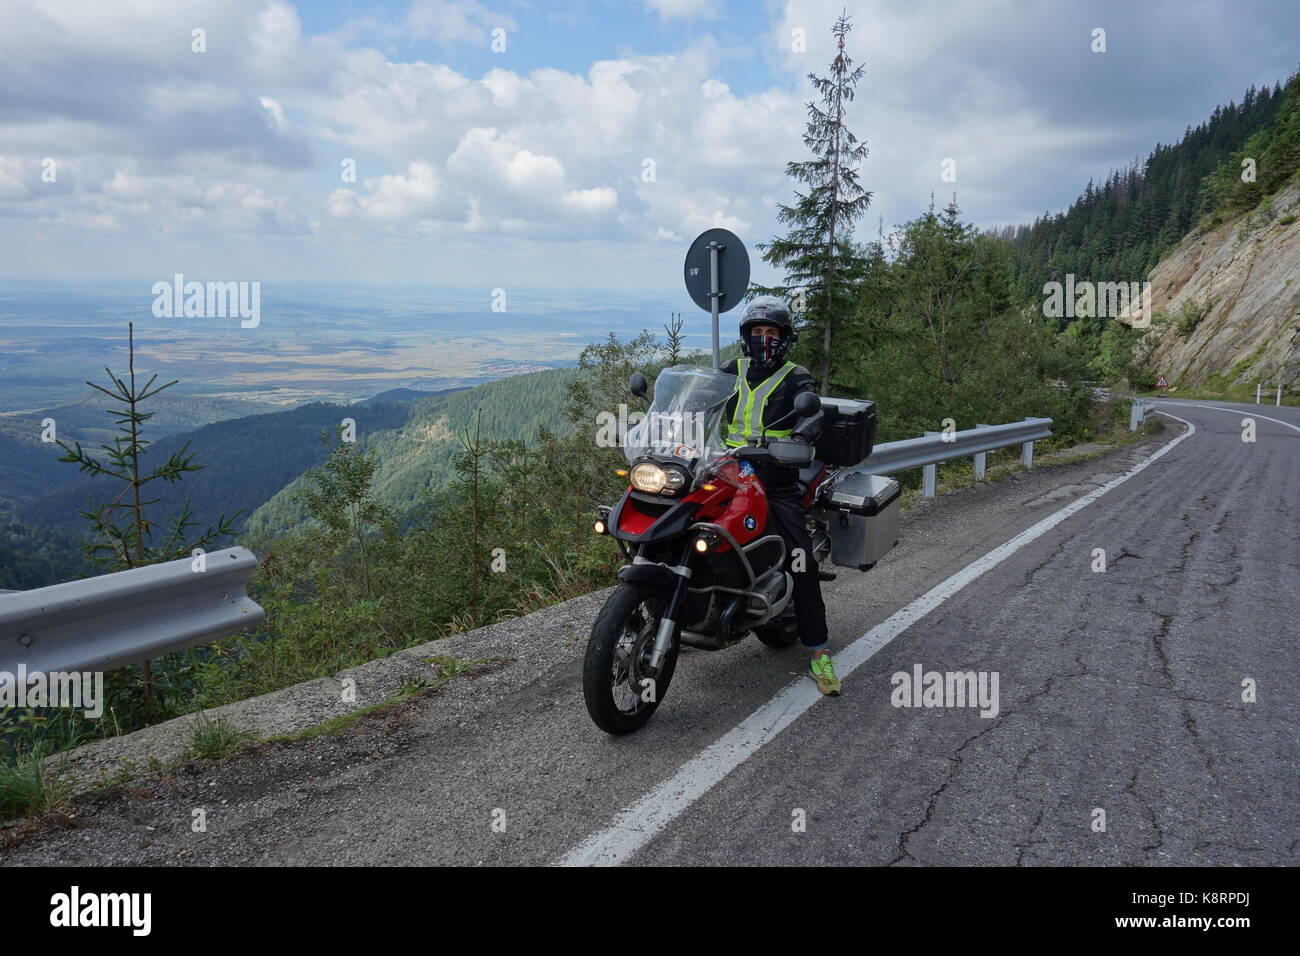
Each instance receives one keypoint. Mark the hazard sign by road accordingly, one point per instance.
(1163, 383)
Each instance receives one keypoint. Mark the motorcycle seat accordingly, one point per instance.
(811, 477)
(809, 472)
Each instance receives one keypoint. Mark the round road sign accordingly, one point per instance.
(733, 270)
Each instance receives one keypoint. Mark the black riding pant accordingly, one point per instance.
(786, 517)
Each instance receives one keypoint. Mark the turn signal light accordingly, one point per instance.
(701, 545)
(710, 487)
(599, 527)
(622, 472)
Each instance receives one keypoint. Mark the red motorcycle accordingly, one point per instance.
(702, 568)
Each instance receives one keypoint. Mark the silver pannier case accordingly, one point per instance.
(861, 514)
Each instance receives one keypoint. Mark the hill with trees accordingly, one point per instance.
(1120, 230)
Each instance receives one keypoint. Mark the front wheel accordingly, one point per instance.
(620, 691)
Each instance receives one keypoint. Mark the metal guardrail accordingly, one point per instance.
(1100, 392)
(934, 447)
(108, 621)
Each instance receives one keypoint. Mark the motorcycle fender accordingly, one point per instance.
(647, 575)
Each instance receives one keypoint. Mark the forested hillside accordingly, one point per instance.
(1118, 231)
(245, 461)
(33, 557)
(255, 464)
(1226, 301)
(416, 456)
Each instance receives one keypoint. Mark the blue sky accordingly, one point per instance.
(526, 166)
(571, 36)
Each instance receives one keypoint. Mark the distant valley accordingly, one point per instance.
(414, 368)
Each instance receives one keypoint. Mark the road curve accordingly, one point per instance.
(1125, 730)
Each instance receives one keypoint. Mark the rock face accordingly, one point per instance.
(1248, 274)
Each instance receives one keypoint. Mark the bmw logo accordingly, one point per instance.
(750, 523)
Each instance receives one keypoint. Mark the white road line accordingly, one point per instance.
(636, 825)
(1235, 411)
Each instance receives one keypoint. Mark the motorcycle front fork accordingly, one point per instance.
(668, 621)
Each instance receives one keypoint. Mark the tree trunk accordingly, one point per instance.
(835, 215)
(146, 669)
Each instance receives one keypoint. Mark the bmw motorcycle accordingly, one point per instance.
(702, 568)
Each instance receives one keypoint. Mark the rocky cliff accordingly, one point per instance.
(1226, 303)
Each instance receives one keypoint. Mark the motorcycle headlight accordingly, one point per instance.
(655, 479)
(648, 477)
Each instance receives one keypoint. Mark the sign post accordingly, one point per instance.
(717, 276)
(715, 249)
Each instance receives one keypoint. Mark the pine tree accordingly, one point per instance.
(125, 534)
(818, 255)
(674, 342)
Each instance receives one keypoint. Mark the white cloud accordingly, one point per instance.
(415, 195)
(245, 140)
(455, 21)
(232, 141)
(591, 202)
(16, 177)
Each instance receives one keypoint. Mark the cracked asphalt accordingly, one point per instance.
(1120, 693)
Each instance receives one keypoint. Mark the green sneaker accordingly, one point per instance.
(823, 672)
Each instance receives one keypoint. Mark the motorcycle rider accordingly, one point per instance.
(766, 387)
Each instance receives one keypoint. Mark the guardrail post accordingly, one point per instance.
(1258, 386)
(1136, 413)
(981, 460)
(1027, 454)
(1278, 403)
(933, 448)
(930, 477)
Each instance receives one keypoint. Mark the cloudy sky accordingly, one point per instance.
(506, 141)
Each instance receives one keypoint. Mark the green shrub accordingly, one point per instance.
(1190, 314)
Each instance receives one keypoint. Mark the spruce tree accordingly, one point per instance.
(817, 254)
(126, 535)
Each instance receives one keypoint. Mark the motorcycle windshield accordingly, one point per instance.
(684, 420)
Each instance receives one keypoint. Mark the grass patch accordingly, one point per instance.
(32, 785)
(214, 738)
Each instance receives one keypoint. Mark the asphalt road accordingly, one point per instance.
(1120, 737)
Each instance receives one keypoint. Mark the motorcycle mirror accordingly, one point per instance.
(807, 403)
(637, 385)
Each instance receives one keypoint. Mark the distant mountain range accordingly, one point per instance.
(406, 395)
(254, 463)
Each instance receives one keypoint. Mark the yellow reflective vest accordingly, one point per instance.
(747, 422)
